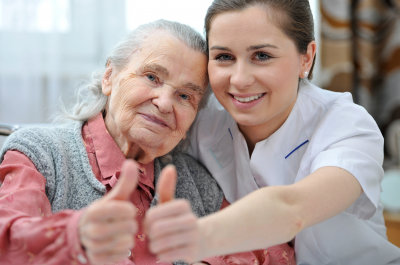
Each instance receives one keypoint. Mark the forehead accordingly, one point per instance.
(168, 56)
(252, 23)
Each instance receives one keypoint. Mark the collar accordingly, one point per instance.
(110, 157)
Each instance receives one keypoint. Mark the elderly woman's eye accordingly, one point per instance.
(185, 97)
(152, 77)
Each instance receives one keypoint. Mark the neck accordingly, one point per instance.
(257, 133)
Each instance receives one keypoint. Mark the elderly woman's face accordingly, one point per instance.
(154, 100)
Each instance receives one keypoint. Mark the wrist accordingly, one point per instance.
(209, 246)
(73, 236)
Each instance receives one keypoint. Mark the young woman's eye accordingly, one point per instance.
(262, 56)
(224, 57)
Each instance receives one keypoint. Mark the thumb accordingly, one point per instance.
(126, 183)
(166, 184)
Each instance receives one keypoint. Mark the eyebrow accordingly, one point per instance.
(197, 89)
(156, 68)
(164, 71)
(251, 48)
(219, 48)
(260, 46)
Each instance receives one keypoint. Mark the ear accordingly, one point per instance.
(308, 59)
(106, 84)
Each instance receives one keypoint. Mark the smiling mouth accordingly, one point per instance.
(248, 99)
(155, 120)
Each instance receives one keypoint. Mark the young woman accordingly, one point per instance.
(301, 163)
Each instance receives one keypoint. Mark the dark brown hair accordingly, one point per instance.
(297, 20)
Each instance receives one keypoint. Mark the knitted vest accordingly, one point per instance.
(59, 154)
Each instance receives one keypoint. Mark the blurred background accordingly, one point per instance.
(49, 47)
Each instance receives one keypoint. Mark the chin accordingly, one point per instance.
(245, 120)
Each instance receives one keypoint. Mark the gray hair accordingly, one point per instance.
(91, 100)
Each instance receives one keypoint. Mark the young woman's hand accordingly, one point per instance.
(108, 226)
(171, 226)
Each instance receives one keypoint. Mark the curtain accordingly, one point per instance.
(48, 48)
(360, 53)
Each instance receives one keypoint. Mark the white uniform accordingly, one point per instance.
(324, 129)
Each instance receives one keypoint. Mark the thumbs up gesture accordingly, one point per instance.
(171, 226)
(107, 227)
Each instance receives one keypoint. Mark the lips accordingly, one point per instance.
(247, 98)
(157, 120)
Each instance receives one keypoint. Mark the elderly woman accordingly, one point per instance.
(68, 194)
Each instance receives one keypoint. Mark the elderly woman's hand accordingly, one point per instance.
(108, 225)
(172, 226)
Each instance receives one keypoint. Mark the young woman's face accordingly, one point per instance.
(254, 70)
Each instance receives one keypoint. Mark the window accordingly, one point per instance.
(189, 12)
(35, 15)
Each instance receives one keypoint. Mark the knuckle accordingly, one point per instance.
(159, 226)
(152, 247)
(191, 218)
(192, 254)
(134, 228)
(186, 205)
(92, 231)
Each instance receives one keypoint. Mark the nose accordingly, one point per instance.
(242, 76)
(164, 99)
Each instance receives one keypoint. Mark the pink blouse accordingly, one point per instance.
(31, 234)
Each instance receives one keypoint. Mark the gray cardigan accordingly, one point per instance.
(59, 154)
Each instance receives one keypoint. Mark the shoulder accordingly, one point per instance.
(42, 134)
(312, 97)
(37, 142)
(344, 135)
(334, 111)
(211, 125)
(194, 183)
(211, 118)
(189, 167)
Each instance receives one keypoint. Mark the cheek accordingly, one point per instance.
(185, 119)
(122, 108)
(219, 78)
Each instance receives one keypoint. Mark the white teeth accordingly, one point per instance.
(248, 99)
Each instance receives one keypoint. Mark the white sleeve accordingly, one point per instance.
(352, 140)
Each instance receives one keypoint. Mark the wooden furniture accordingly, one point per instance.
(392, 221)
(7, 129)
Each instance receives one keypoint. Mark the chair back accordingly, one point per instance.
(5, 130)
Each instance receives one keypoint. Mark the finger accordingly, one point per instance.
(107, 258)
(107, 231)
(178, 225)
(108, 210)
(166, 184)
(167, 210)
(174, 241)
(127, 182)
(112, 245)
(173, 208)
